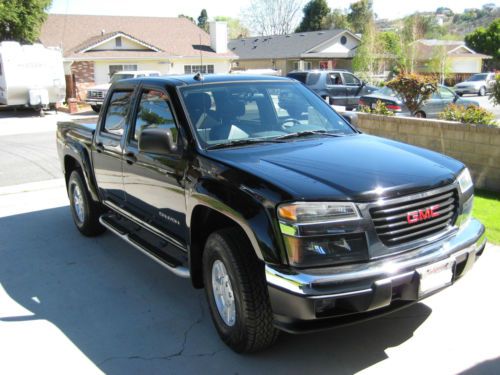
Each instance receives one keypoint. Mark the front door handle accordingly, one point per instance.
(99, 147)
(130, 158)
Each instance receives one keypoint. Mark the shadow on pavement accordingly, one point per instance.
(129, 315)
(490, 367)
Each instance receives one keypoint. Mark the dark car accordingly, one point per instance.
(339, 87)
(431, 108)
(258, 191)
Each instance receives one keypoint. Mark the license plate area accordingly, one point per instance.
(435, 276)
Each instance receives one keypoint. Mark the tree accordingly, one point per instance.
(367, 58)
(336, 19)
(272, 17)
(202, 20)
(315, 12)
(21, 20)
(495, 94)
(360, 14)
(188, 17)
(486, 41)
(414, 89)
(234, 26)
(440, 63)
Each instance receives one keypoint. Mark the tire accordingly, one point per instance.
(84, 210)
(482, 91)
(420, 114)
(96, 108)
(251, 328)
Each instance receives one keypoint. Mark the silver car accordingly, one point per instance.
(431, 107)
(479, 84)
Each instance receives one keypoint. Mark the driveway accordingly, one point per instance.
(71, 304)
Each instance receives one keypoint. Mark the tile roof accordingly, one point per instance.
(280, 46)
(172, 36)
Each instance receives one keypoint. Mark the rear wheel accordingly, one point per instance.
(482, 91)
(84, 210)
(420, 114)
(236, 291)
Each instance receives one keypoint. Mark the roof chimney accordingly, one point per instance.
(218, 36)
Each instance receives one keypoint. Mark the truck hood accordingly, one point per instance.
(358, 167)
(103, 87)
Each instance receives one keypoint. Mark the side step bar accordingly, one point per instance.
(176, 270)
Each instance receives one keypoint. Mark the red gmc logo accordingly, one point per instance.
(421, 215)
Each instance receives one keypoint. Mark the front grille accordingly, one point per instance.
(95, 94)
(392, 220)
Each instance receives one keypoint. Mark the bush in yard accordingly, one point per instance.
(414, 89)
(379, 109)
(471, 114)
(495, 94)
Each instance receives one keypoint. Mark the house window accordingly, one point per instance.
(118, 41)
(343, 40)
(118, 68)
(204, 69)
(307, 65)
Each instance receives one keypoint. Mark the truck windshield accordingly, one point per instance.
(118, 77)
(254, 111)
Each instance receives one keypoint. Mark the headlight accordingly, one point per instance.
(319, 234)
(465, 180)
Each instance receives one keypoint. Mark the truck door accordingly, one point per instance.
(154, 183)
(353, 89)
(107, 151)
(336, 89)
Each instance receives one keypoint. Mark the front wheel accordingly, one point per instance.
(420, 114)
(482, 91)
(236, 291)
(84, 210)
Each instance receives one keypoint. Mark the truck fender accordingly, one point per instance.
(81, 154)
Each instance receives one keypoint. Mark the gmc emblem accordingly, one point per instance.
(421, 215)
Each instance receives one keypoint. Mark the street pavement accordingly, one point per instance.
(76, 305)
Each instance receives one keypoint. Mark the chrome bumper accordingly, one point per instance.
(314, 282)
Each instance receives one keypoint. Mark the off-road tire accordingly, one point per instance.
(253, 329)
(89, 225)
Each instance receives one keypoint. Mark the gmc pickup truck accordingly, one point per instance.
(258, 191)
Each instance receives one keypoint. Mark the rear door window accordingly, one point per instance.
(333, 79)
(117, 112)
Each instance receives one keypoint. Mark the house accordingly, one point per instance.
(326, 49)
(455, 57)
(95, 47)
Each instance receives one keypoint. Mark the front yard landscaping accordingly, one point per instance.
(487, 210)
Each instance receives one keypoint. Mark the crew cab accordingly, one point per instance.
(258, 191)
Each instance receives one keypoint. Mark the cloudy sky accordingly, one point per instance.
(167, 8)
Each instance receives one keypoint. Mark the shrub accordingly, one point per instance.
(379, 109)
(414, 89)
(495, 94)
(471, 114)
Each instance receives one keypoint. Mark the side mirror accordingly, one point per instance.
(157, 141)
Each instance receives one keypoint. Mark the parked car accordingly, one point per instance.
(259, 192)
(431, 107)
(479, 84)
(339, 87)
(97, 94)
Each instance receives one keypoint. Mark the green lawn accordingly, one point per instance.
(487, 210)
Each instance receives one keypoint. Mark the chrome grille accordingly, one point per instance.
(393, 221)
(95, 94)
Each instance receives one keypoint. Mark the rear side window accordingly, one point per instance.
(154, 112)
(301, 77)
(117, 112)
(312, 78)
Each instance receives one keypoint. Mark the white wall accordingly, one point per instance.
(336, 47)
(126, 44)
(101, 68)
(466, 65)
(220, 66)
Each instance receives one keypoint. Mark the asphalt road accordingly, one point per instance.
(70, 304)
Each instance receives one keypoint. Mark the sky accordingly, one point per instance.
(167, 8)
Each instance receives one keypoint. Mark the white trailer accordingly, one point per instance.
(31, 76)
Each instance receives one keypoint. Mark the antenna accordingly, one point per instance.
(199, 76)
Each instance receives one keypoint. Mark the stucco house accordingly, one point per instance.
(95, 47)
(326, 49)
(459, 59)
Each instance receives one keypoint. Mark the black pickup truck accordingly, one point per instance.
(258, 191)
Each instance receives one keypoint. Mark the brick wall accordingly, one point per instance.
(83, 71)
(477, 146)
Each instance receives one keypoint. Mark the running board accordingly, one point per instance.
(176, 270)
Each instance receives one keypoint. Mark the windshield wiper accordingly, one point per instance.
(306, 133)
(242, 142)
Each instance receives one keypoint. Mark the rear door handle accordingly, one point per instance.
(130, 158)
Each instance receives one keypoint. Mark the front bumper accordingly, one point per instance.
(466, 90)
(314, 299)
(94, 101)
